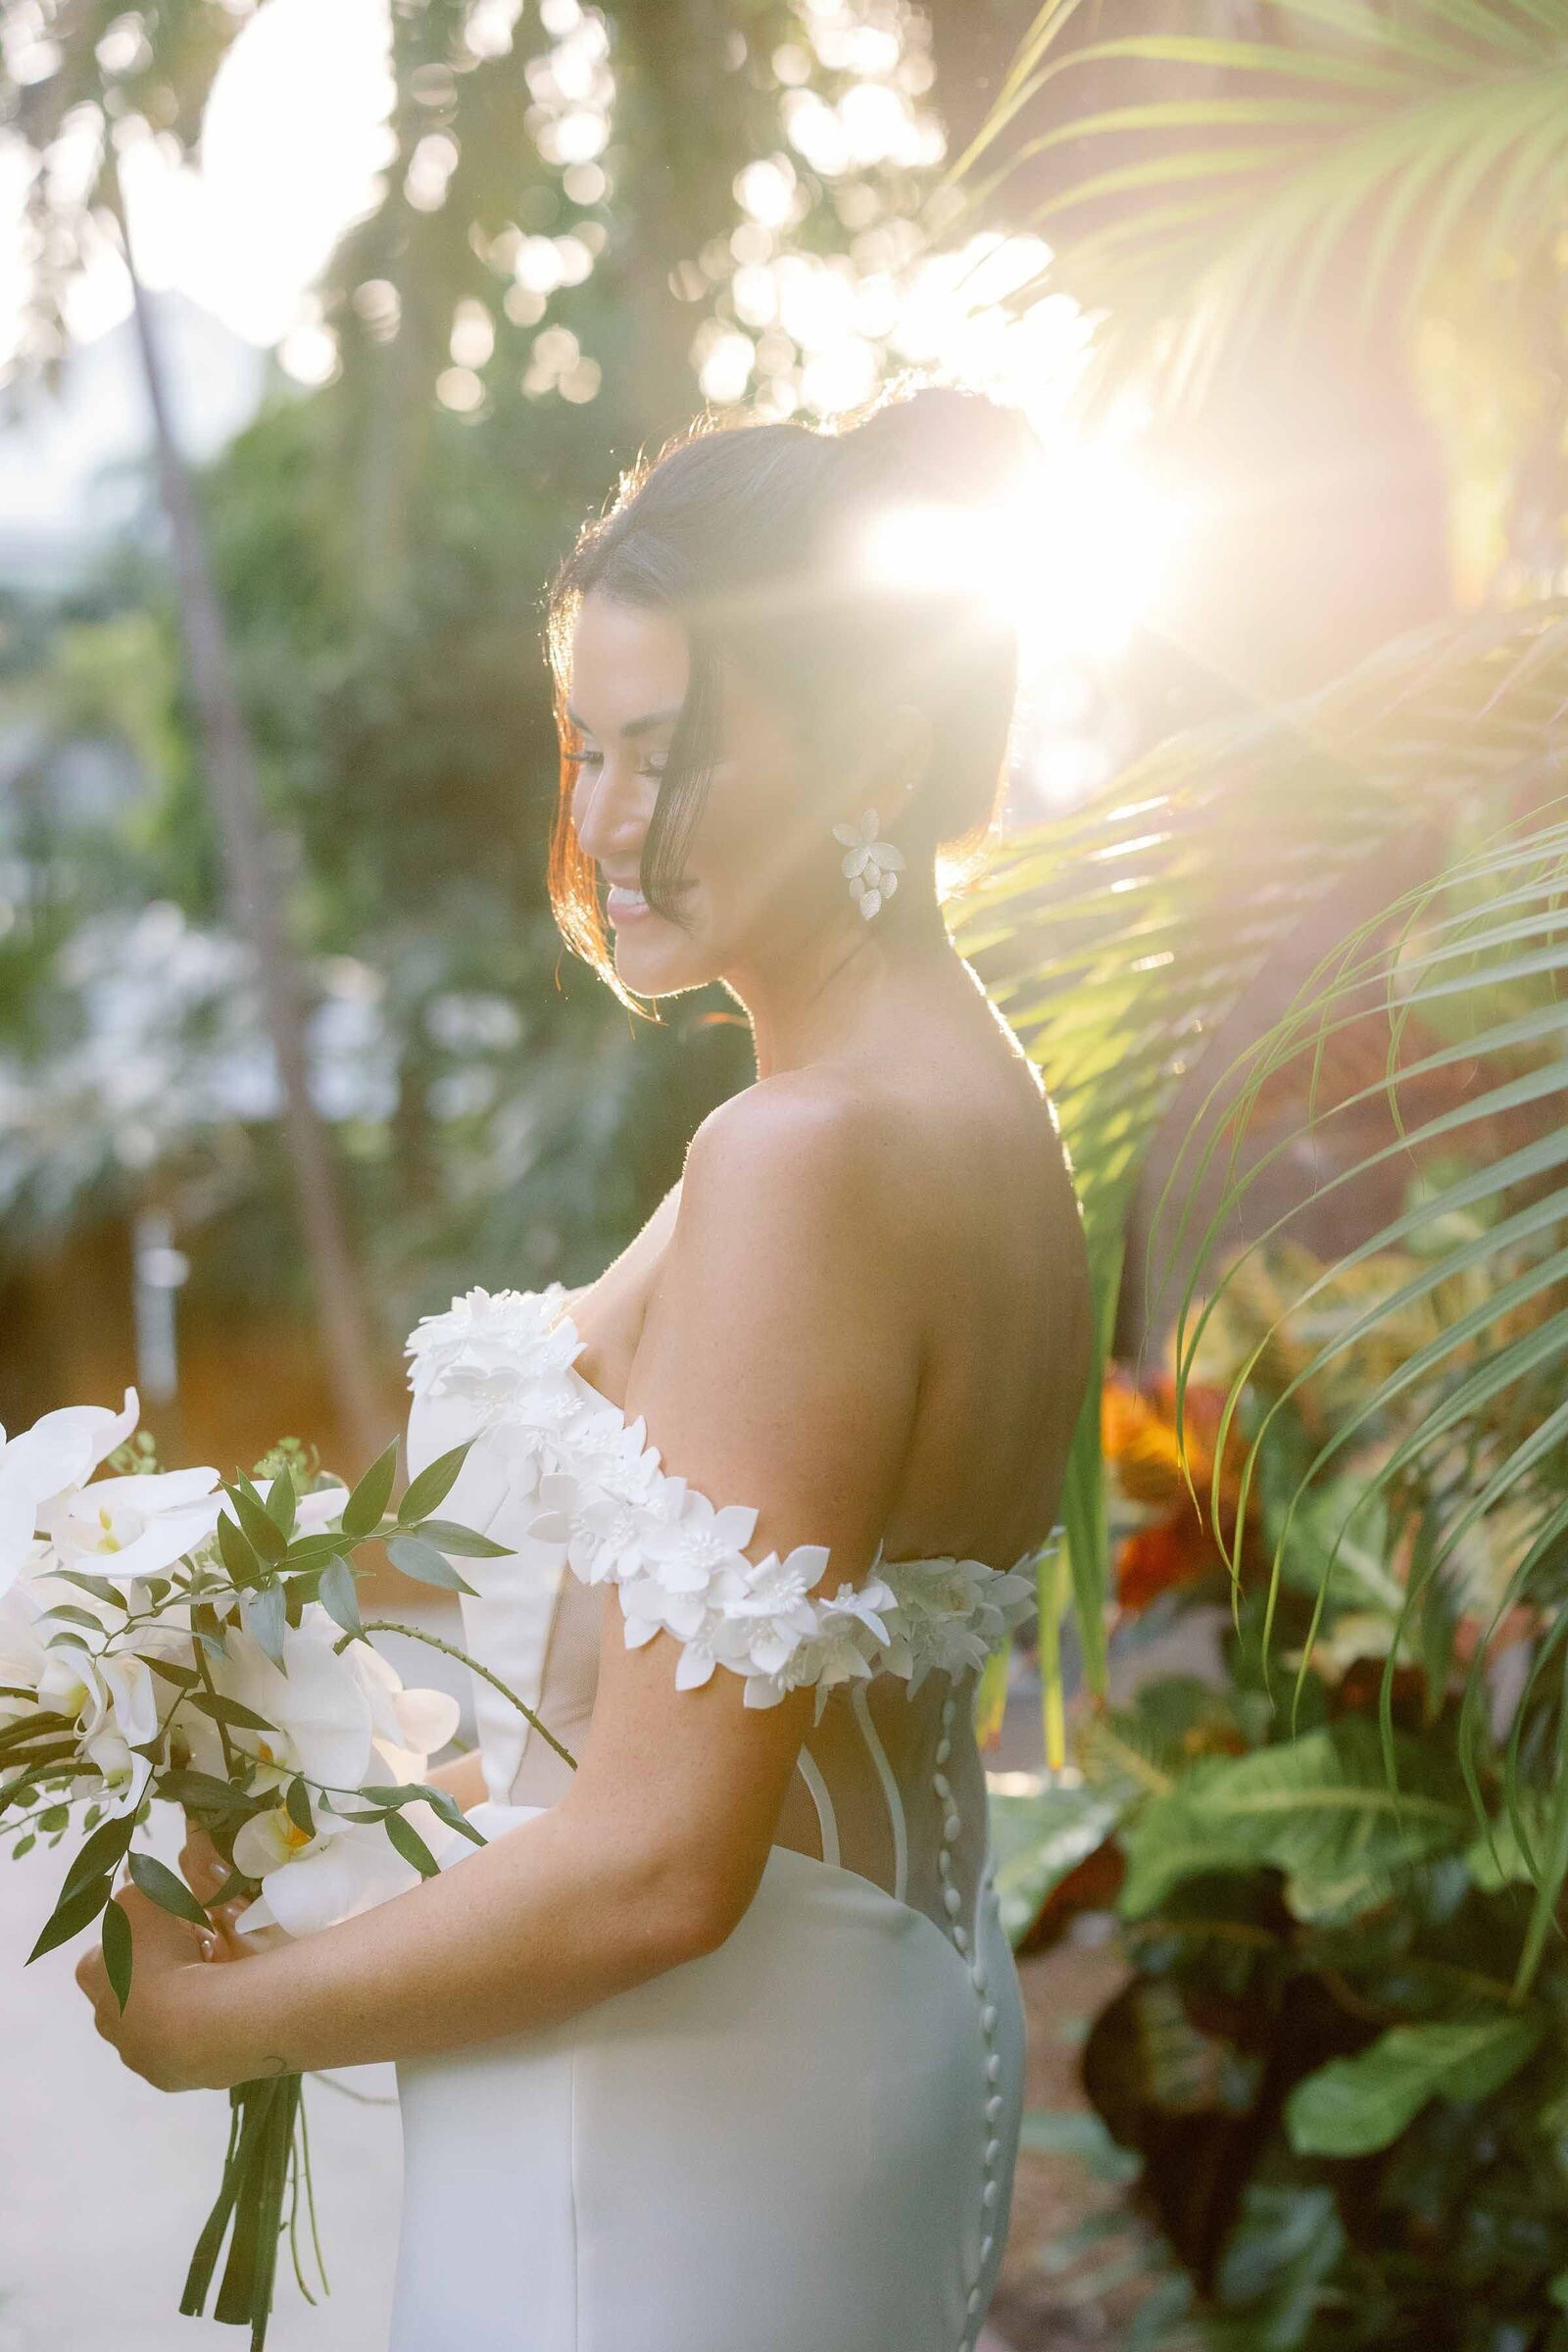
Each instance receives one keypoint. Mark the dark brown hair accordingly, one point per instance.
(753, 535)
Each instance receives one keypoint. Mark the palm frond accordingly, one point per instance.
(1408, 140)
(1120, 939)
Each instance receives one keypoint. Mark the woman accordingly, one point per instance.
(717, 2044)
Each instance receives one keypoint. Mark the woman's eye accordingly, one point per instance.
(585, 758)
(656, 767)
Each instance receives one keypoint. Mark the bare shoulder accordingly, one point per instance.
(779, 1356)
(800, 1141)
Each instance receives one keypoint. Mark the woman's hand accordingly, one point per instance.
(205, 1871)
(158, 2033)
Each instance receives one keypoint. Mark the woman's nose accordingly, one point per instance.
(608, 815)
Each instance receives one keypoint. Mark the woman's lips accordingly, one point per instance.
(624, 905)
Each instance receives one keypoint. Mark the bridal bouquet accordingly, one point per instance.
(170, 1635)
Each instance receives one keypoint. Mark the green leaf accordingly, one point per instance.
(199, 1792)
(283, 1503)
(169, 1892)
(269, 1540)
(308, 1551)
(265, 1620)
(229, 1710)
(239, 1557)
(1038, 1839)
(184, 1678)
(432, 1486)
(411, 1846)
(66, 1612)
(99, 1855)
(98, 1585)
(1318, 1808)
(363, 1510)
(336, 1594)
(297, 1801)
(71, 1915)
(1355, 2105)
(443, 1802)
(450, 1536)
(118, 1953)
(424, 1563)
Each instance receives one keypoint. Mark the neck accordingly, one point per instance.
(807, 1001)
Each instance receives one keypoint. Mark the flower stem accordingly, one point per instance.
(412, 1633)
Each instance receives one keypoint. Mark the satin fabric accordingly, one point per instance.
(801, 2142)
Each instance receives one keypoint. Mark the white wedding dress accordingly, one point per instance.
(802, 2141)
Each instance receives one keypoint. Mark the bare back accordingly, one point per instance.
(975, 1181)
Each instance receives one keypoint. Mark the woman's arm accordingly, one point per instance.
(777, 1367)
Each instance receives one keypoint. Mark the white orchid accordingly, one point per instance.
(407, 1726)
(311, 1883)
(114, 1701)
(21, 1652)
(317, 1707)
(44, 1464)
(133, 1528)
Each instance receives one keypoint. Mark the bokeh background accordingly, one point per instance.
(323, 324)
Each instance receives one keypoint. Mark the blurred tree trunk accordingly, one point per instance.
(253, 884)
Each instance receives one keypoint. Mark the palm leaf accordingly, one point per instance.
(1120, 939)
(1412, 140)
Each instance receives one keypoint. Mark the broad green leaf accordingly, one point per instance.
(160, 1885)
(199, 1792)
(1318, 1808)
(99, 1855)
(1355, 2105)
(71, 1914)
(118, 1953)
(297, 1801)
(183, 1678)
(221, 1709)
(337, 1596)
(240, 1557)
(365, 1507)
(262, 1530)
(1039, 1839)
(448, 1536)
(266, 1619)
(283, 1503)
(432, 1486)
(66, 1612)
(411, 1846)
(420, 1560)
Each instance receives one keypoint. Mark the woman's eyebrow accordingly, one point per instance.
(634, 726)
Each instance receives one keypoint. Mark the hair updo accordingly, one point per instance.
(756, 538)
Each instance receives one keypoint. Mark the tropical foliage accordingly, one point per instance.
(1296, 980)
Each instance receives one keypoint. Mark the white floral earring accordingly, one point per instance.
(872, 865)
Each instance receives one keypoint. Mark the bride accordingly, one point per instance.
(717, 2044)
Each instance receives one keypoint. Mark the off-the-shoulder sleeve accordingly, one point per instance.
(598, 1494)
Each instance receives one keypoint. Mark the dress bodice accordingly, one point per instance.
(560, 1475)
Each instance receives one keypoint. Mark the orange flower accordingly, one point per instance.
(1138, 1438)
(1157, 1559)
